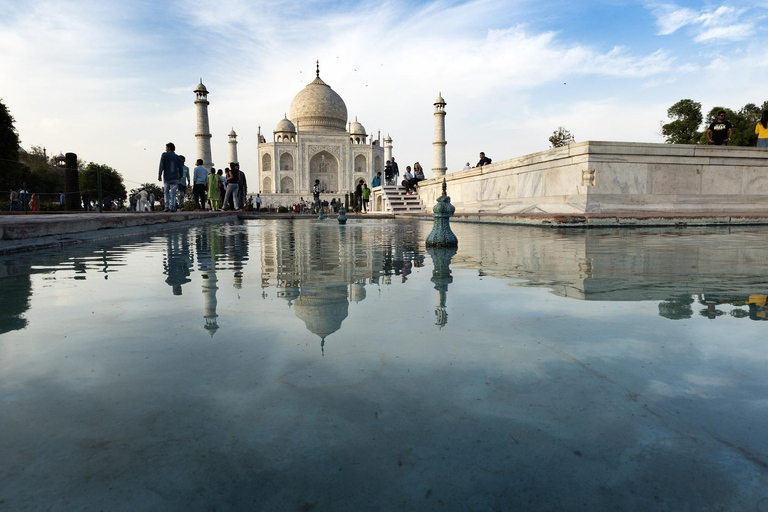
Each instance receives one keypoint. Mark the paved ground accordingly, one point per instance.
(23, 232)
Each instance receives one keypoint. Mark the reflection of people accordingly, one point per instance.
(484, 160)
(762, 130)
(169, 170)
(177, 263)
(720, 130)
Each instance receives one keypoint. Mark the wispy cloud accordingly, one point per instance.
(708, 25)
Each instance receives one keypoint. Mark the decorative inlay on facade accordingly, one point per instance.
(334, 150)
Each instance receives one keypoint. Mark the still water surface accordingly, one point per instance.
(301, 365)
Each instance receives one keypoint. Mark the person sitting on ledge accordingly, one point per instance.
(484, 160)
(407, 180)
(418, 175)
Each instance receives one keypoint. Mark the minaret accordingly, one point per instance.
(438, 146)
(387, 148)
(203, 133)
(233, 147)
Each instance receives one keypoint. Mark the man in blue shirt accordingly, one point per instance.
(376, 181)
(170, 170)
(199, 184)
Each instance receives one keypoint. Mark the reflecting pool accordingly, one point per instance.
(303, 365)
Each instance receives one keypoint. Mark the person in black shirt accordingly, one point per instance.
(484, 160)
(720, 131)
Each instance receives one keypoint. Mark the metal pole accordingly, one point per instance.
(98, 181)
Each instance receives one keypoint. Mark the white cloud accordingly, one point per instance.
(709, 25)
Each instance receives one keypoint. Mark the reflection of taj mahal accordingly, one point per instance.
(317, 142)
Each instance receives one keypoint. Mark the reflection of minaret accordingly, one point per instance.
(207, 268)
(233, 147)
(203, 133)
(438, 146)
(441, 276)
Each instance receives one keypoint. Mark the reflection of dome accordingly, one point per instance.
(322, 309)
(285, 126)
(318, 108)
(356, 128)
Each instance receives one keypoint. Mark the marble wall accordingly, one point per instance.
(613, 177)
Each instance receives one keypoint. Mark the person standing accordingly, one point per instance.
(366, 198)
(61, 200)
(242, 183)
(183, 182)
(170, 171)
(376, 181)
(151, 199)
(359, 196)
(258, 202)
(86, 200)
(199, 184)
(214, 190)
(762, 130)
(395, 170)
(232, 190)
(316, 197)
(14, 200)
(720, 130)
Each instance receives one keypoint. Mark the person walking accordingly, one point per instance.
(199, 184)
(14, 200)
(395, 170)
(359, 196)
(762, 130)
(258, 202)
(316, 197)
(232, 190)
(170, 170)
(366, 197)
(86, 200)
(183, 182)
(214, 192)
(242, 184)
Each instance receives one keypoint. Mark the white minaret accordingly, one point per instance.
(438, 146)
(203, 134)
(233, 147)
(387, 148)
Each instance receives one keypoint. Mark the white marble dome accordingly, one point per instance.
(285, 126)
(318, 108)
(356, 128)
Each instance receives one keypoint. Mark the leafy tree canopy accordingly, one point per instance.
(111, 181)
(10, 170)
(561, 137)
(686, 121)
(151, 188)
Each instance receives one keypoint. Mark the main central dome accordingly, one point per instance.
(318, 108)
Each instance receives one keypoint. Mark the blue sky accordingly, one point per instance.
(112, 81)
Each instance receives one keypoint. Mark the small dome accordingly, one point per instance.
(22, 150)
(317, 107)
(440, 100)
(356, 128)
(232, 133)
(200, 87)
(285, 126)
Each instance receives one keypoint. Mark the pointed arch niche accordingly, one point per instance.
(286, 185)
(286, 162)
(361, 165)
(323, 166)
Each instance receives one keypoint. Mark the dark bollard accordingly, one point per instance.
(71, 183)
(441, 235)
(342, 216)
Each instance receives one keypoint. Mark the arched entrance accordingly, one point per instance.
(323, 166)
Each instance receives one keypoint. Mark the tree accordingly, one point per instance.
(111, 181)
(151, 188)
(11, 174)
(44, 176)
(561, 137)
(686, 122)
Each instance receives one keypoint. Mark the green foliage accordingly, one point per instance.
(561, 137)
(43, 176)
(282, 209)
(111, 181)
(686, 121)
(676, 308)
(10, 171)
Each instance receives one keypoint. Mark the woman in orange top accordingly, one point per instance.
(762, 131)
(33, 203)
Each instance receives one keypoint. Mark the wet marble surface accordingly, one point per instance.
(297, 365)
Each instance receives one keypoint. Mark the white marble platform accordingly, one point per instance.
(613, 177)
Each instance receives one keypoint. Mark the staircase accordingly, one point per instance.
(396, 201)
